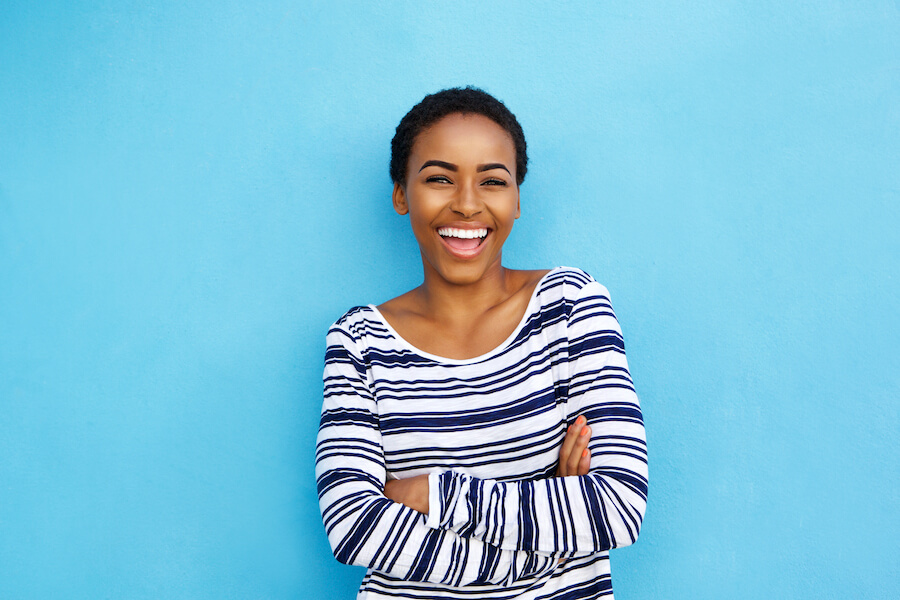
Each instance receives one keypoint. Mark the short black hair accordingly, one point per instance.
(434, 107)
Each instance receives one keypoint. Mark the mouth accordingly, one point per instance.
(463, 243)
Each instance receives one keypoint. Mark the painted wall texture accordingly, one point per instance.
(190, 193)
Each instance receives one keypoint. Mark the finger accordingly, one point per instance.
(584, 465)
(569, 461)
(564, 450)
(571, 436)
(584, 436)
(567, 445)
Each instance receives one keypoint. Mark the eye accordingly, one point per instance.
(495, 181)
(437, 179)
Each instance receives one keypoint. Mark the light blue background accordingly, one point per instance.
(190, 195)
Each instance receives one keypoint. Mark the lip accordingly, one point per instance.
(468, 225)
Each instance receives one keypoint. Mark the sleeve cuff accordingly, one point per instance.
(433, 519)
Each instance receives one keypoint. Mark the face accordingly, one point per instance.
(461, 196)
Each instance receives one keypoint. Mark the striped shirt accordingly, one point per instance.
(487, 430)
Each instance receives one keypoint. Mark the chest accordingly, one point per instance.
(503, 418)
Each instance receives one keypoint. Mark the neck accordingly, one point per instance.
(446, 300)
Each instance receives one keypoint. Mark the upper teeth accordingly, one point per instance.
(462, 233)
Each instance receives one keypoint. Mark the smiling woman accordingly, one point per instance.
(480, 434)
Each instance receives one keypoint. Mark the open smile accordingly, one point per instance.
(463, 243)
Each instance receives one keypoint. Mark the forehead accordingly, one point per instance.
(471, 136)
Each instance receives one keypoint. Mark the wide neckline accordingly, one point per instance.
(529, 309)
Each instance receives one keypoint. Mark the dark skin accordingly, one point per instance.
(461, 178)
(436, 323)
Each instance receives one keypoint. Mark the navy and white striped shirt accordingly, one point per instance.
(487, 430)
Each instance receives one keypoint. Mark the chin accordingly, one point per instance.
(464, 274)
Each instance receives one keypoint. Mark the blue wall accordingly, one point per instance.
(189, 196)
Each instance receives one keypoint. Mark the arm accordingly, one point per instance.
(574, 459)
(601, 510)
(364, 527)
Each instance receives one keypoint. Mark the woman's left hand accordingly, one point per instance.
(574, 456)
(411, 492)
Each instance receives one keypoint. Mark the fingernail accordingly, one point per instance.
(585, 430)
(584, 453)
(579, 420)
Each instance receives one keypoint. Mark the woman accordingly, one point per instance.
(480, 435)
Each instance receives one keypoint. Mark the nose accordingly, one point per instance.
(466, 202)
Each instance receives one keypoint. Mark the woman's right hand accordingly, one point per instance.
(574, 456)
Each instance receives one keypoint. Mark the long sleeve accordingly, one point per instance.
(573, 515)
(364, 527)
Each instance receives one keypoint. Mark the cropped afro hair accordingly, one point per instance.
(434, 107)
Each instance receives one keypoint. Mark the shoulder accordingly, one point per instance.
(353, 318)
(571, 283)
(402, 308)
(355, 326)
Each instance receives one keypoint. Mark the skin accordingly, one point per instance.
(461, 173)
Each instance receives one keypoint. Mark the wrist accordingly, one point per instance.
(411, 492)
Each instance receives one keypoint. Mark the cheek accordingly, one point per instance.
(507, 211)
(421, 228)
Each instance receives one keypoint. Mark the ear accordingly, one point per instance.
(518, 208)
(399, 198)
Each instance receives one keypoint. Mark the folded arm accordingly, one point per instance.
(364, 527)
(574, 459)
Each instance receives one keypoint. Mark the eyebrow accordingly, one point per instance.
(454, 168)
(439, 163)
(491, 166)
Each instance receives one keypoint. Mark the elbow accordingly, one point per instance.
(624, 502)
(341, 549)
(347, 518)
(640, 509)
(638, 524)
(626, 532)
(343, 558)
(350, 531)
(633, 519)
(632, 506)
(339, 535)
(626, 527)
